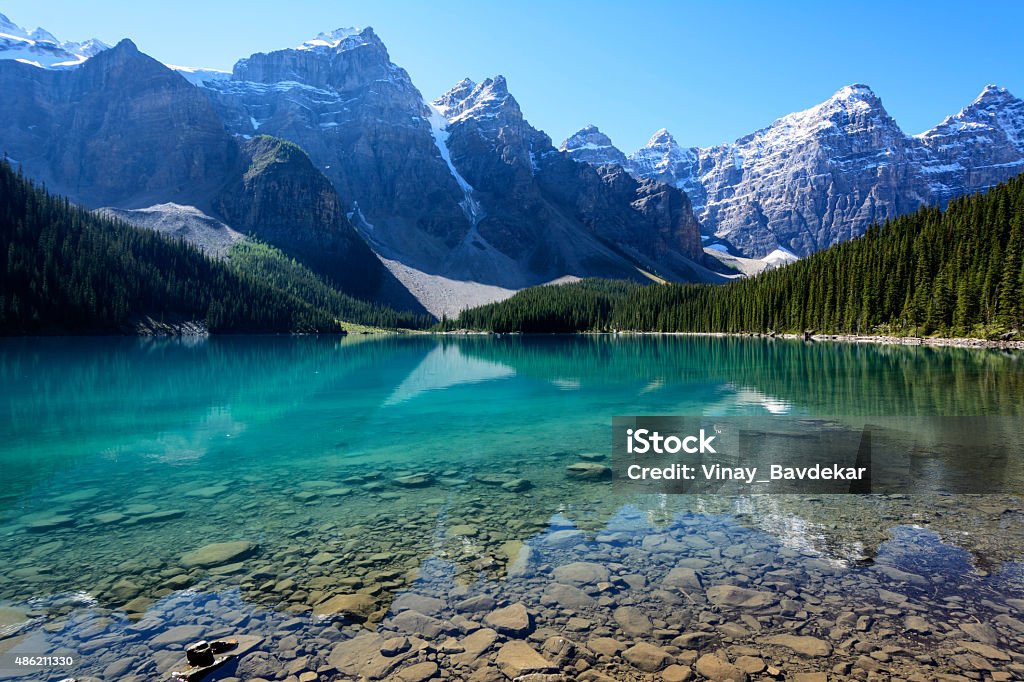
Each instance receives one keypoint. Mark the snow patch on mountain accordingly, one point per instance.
(439, 130)
(780, 256)
(41, 49)
(341, 38)
(198, 75)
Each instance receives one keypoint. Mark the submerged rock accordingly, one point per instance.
(475, 645)
(647, 657)
(395, 646)
(513, 620)
(803, 645)
(218, 554)
(981, 633)
(683, 578)
(517, 658)
(588, 471)
(633, 621)
(206, 492)
(581, 573)
(730, 595)
(12, 619)
(157, 516)
(517, 485)
(566, 596)
(418, 480)
(419, 672)
(354, 606)
(39, 523)
(714, 668)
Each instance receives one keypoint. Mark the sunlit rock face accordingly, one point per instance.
(821, 176)
(461, 189)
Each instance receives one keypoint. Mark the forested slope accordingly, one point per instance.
(957, 272)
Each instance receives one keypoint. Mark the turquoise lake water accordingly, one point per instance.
(122, 456)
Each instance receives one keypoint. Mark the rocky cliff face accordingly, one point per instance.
(282, 199)
(978, 147)
(535, 197)
(364, 125)
(811, 179)
(120, 130)
(452, 193)
(124, 132)
(821, 176)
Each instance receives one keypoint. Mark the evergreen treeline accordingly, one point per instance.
(270, 265)
(557, 308)
(65, 270)
(958, 272)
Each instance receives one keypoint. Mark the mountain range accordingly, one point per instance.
(822, 176)
(330, 153)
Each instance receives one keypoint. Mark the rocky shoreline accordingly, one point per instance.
(885, 340)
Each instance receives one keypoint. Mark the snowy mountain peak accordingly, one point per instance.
(10, 28)
(339, 39)
(455, 95)
(488, 99)
(590, 145)
(498, 84)
(856, 99)
(41, 35)
(854, 92)
(662, 138)
(853, 109)
(587, 137)
(993, 116)
(992, 96)
(42, 49)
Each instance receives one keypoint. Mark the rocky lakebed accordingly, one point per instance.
(538, 571)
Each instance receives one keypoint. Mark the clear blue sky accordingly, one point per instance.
(709, 72)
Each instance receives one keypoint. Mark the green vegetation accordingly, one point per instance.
(65, 271)
(958, 272)
(267, 150)
(268, 264)
(558, 308)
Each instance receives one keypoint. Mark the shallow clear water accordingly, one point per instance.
(122, 456)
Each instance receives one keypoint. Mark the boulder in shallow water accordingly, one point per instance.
(517, 658)
(803, 645)
(157, 516)
(353, 606)
(633, 621)
(494, 479)
(218, 554)
(419, 480)
(516, 485)
(588, 471)
(513, 620)
(40, 523)
(730, 595)
(714, 668)
(647, 657)
(419, 672)
(684, 578)
(581, 573)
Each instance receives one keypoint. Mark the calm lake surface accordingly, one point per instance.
(400, 508)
